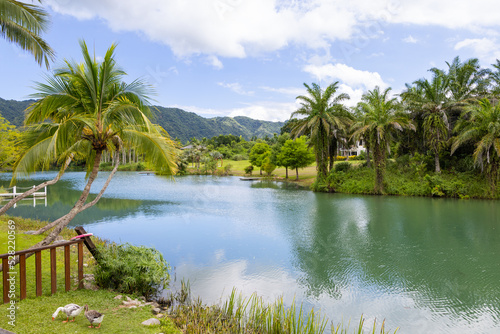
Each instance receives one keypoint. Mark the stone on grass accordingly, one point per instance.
(151, 321)
(156, 310)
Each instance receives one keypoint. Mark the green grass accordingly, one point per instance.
(33, 315)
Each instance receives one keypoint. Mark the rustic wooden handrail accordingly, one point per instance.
(38, 268)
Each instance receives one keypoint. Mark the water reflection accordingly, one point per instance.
(425, 265)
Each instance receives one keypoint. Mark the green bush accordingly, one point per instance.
(239, 157)
(248, 170)
(132, 269)
(342, 166)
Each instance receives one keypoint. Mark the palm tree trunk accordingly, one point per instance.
(379, 168)
(436, 162)
(79, 206)
(79, 203)
(332, 150)
(36, 188)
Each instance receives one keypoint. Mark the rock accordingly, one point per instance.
(156, 310)
(131, 303)
(128, 298)
(165, 308)
(160, 315)
(155, 304)
(133, 306)
(29, 232)
(118, 297)
(142, 298)
(57, 241)
(151, 321)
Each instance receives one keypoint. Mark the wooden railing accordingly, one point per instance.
(38, 268)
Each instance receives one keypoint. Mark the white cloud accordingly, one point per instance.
(268, 111)
(290, 91)
(410, 39)
(235, 87)
(485, 49)
(262, 110)
(346, 75)
(215, 62)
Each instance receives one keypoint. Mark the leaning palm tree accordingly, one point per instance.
(431, 99)
(324, 119)
(381, 118)
(22, 24)
(481, 126)
(83, 111)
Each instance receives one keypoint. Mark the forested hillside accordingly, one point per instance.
(178, 123)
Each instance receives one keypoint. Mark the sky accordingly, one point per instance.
(252, 57)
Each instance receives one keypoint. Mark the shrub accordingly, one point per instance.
(342, 166)
(248, 170)
(239, 157)
(132, 269)
(341, 158)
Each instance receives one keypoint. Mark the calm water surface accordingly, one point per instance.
(425, 265)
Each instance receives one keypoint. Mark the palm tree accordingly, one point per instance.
(83, 111)
(430, 98)
(481, 125)
(378, 124)
(324, 120)
(22, 24)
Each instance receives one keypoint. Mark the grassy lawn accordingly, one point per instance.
(33, 315)
(306, 175)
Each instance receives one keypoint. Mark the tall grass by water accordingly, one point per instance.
(238, 314)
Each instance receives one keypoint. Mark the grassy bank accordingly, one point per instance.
(402, 181)
(33, 315)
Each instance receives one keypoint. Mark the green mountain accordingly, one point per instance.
(178, 123)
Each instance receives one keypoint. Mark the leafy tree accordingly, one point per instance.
(268, 166)
(22, 23)
(319, 110)
(9, 136)
(482, 127)
(258, 154)
(296, 154)
(382, 118)
(86, 109)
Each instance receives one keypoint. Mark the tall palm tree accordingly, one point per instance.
(431, 99)
(84, 110)
(481, 125)
(381, 119)
(324, 120)
(22, 24)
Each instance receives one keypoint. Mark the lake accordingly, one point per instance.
(425, 265)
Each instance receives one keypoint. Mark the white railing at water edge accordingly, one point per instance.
(15, 192)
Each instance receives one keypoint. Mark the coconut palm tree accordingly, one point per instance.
(431, 99)
(381, 119)
(323, 122)
(82, 111)
(22, 24)
(481, 125)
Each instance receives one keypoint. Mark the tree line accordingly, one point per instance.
(453, 115)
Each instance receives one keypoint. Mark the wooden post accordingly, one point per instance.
(22, 275)
(67, 264)
(5, 266)
(53, 271)
(80, 265)
(88, 242)
(38, 273)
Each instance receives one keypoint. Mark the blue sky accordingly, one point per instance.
(251, 57)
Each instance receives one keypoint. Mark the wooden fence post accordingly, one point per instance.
(88, 242)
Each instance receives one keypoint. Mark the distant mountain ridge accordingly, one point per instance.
(179, 123)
